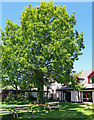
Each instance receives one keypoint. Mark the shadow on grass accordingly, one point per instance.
(68, 111)
(18, 102)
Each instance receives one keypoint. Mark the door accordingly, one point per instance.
(68, 96)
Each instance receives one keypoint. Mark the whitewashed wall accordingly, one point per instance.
(59, 95)
(93, 96)
(74, 96)
(62, 96)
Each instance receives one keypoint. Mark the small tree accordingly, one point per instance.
(43, 46)
(74, 81)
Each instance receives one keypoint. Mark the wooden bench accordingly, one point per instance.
(59, 106)
(15, 109)
(87, 105)
(51, 105)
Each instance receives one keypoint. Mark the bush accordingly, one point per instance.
(20, 97)
(9, 97)
(12, 97)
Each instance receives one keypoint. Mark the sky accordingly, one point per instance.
(83, 14)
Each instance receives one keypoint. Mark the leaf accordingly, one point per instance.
(43, 45)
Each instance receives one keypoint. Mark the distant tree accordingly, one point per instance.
(43, 46)
(74, 81)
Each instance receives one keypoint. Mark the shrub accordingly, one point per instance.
(21, 97)
(9, 97)
(12, 97)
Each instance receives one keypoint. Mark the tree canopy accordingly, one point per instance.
(44, 45)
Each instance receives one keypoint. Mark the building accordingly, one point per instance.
(58, 91)
(85, 95)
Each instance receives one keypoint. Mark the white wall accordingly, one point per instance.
(62, 96)
(74, 96)
(59, 95)
(93, 96)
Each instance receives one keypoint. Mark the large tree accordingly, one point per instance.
(45, 45)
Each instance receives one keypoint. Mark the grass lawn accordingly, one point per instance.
(69, 110)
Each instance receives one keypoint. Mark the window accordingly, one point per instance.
(92, 79)
(81, 80)
(87, 96)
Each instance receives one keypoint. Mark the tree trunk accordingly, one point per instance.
(40, 86)
(16, 94)
(47, 91)
(40, 96)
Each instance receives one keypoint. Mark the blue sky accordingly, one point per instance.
(83, 13)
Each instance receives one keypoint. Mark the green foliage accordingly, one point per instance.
(20, 97)
(12, 97)
(74, 81)
(43, 46)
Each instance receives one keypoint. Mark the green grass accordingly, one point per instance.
(15, 103)
(69, 110)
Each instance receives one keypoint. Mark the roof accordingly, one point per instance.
(64, 88)
(8, 87)
(85, 73)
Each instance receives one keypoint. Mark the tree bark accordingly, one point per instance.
(40, 86)
(16, 93)
(47, 91)
(40, 95)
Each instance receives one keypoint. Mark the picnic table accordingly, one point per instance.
(52, 105)
(19, 108)
(16, 109)
(88, 105)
